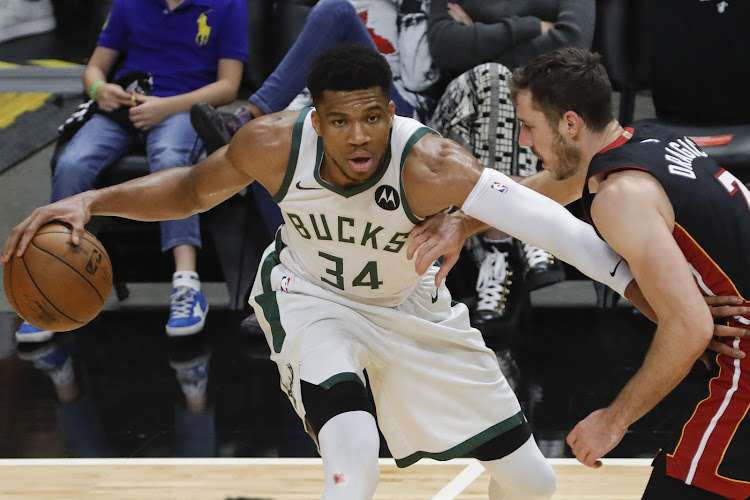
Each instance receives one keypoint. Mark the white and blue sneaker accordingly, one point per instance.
(55, 358)
(192, 374)
(29, 333)
(187, 311)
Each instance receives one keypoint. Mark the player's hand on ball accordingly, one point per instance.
(73, 211)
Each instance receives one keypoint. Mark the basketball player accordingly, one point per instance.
(678, 219)
(336, 294)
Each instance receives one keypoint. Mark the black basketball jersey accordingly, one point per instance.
(711, 206)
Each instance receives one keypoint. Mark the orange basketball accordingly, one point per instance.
(56, 285)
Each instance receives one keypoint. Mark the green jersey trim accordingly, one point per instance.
(418, 134)
(268, 303)
(341, 377)
(460, 450)
(293, 155)
(349, 192)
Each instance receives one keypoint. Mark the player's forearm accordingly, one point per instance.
(535, 219)
(164, 195)
(669, 359)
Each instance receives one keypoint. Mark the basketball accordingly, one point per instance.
(56, 285)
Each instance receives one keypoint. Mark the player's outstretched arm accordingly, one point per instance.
(175, 193)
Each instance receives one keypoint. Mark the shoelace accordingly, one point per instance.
(535, 256)
(182, 302)
(491, 280)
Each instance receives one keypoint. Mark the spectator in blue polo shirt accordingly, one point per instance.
(193, 51)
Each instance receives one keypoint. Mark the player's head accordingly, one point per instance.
(349, 84)
(557, 96)
(567, 79)
(348, 66)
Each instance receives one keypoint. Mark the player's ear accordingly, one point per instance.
(570, 124)
(391, 109)
(315, 121)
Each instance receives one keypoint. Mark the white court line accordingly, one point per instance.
(9, 462)
(460, 482)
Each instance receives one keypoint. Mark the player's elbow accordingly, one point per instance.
(699, 331)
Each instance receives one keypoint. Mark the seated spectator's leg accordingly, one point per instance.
(170, 144)
(329, 22)
(97, 145)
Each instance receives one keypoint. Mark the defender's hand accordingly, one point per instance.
(726, 307)
(594, 437)
(438, 235)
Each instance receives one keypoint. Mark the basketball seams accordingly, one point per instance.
(33, 281)
(94, 243)
(41, 282)
(67, 264)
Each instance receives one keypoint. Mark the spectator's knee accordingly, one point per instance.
(332, 11)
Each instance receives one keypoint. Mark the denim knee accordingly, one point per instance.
(73, 175)
(332, 11)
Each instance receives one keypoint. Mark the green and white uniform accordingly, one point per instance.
(336, 295)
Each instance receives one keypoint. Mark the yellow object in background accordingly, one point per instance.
(14, 104)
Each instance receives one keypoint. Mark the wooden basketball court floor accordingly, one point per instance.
(289, 479)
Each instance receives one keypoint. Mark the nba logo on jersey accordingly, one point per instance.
(500, 188)
(285, 283)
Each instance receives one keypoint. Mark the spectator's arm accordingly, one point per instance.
(222, 91)
(459, 47)
(417, 72)
(150, 110)
(574, 27)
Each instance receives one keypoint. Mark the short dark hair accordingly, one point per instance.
(348, 66)
(567, 79)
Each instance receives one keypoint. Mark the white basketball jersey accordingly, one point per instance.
(350, 240)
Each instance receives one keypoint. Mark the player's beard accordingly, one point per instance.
(568, 158)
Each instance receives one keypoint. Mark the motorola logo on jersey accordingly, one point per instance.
(387, 197)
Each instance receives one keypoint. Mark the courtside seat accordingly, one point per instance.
(637, 38)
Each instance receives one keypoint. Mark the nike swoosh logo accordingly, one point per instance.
(434, 299)
(300, 186)
(613, 271)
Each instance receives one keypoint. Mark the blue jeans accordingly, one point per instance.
(101, 142)
(330, 22)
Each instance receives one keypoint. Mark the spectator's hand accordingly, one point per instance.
(726, 307)
(546, 26)
(459, 14)
(110, 96)
(73, 211)
(148, 111)
(438, 235)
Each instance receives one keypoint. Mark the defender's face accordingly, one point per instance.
(355, 127)
(558, 154)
